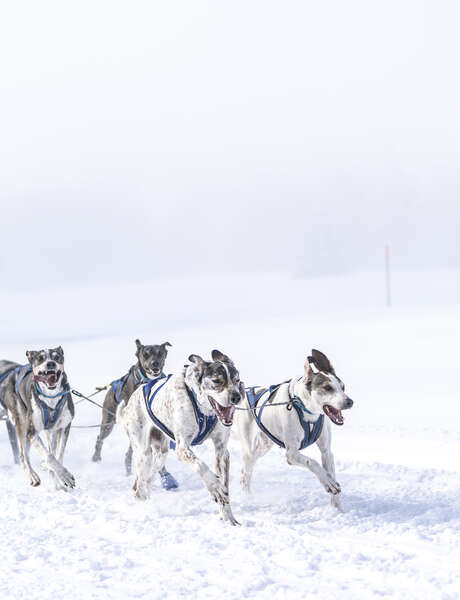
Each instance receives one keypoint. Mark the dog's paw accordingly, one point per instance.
(218, 493)
(335, 502)
(168, 482)
(141, 494)
(331, 485)
(141, 491)
(66, 478)
(34, 479)
(227, 515)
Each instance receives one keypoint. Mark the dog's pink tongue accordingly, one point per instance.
(228, 413)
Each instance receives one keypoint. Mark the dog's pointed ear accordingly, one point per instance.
(30, 355)
(138, 347)
(321, 362)
(218, 356)
(59, 350)
(196, 360)
(166, 344)
(307, 370)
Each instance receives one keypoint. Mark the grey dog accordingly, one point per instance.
(38, 401)
(149, 366)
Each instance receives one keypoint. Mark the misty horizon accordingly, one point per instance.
(199, 139)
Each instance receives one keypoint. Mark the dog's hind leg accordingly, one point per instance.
(108, 421)
(294, 457)
(327, 460)
(13, 441)
(128, 460)
(143, 460)
(251, 452)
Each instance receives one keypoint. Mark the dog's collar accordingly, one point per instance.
(58, 395)
(295, 399)
(141, 377)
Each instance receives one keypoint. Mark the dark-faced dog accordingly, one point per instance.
(38, 401)
(149, 366)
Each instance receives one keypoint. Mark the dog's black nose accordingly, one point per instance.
(235, 398)
(348, 403)
(50, 364)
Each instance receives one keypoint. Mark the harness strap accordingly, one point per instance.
(139, 378)
(253, 401)
(66, 391)
(205, 423)
(28, 369)
(312, 431)
(148, 398)
(6, 373)
(2, 378)
(50, 415)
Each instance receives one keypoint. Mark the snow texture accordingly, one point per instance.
(396, 456)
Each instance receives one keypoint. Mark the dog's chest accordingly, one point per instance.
(50, 415)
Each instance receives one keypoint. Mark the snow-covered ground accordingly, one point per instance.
(397, 454)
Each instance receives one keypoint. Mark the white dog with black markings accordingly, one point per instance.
(197, 403)
(292, 416)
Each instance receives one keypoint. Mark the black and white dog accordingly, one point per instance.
(296, 420)
(38, 400)
(149, 367)
(185, 408)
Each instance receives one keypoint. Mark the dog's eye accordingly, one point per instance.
(328, 388)
(216, 381)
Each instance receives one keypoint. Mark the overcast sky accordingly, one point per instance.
(154, 139)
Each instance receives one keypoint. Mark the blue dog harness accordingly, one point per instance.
(50, 415)
(312, 431)
(205, 423)
(139, 377)
(2, 378)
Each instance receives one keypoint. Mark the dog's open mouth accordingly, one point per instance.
(50, 378)
(225, 413)
(155, 372)
(334, 414)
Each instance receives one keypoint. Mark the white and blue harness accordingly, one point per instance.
(205, 423)
(312, 431)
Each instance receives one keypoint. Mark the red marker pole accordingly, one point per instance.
(387, 271)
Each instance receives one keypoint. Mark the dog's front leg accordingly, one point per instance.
(327, 460)
(211, 481)
(223, 473)
(24, 446)
(63, 436)
(294, 457)
(51, 463)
